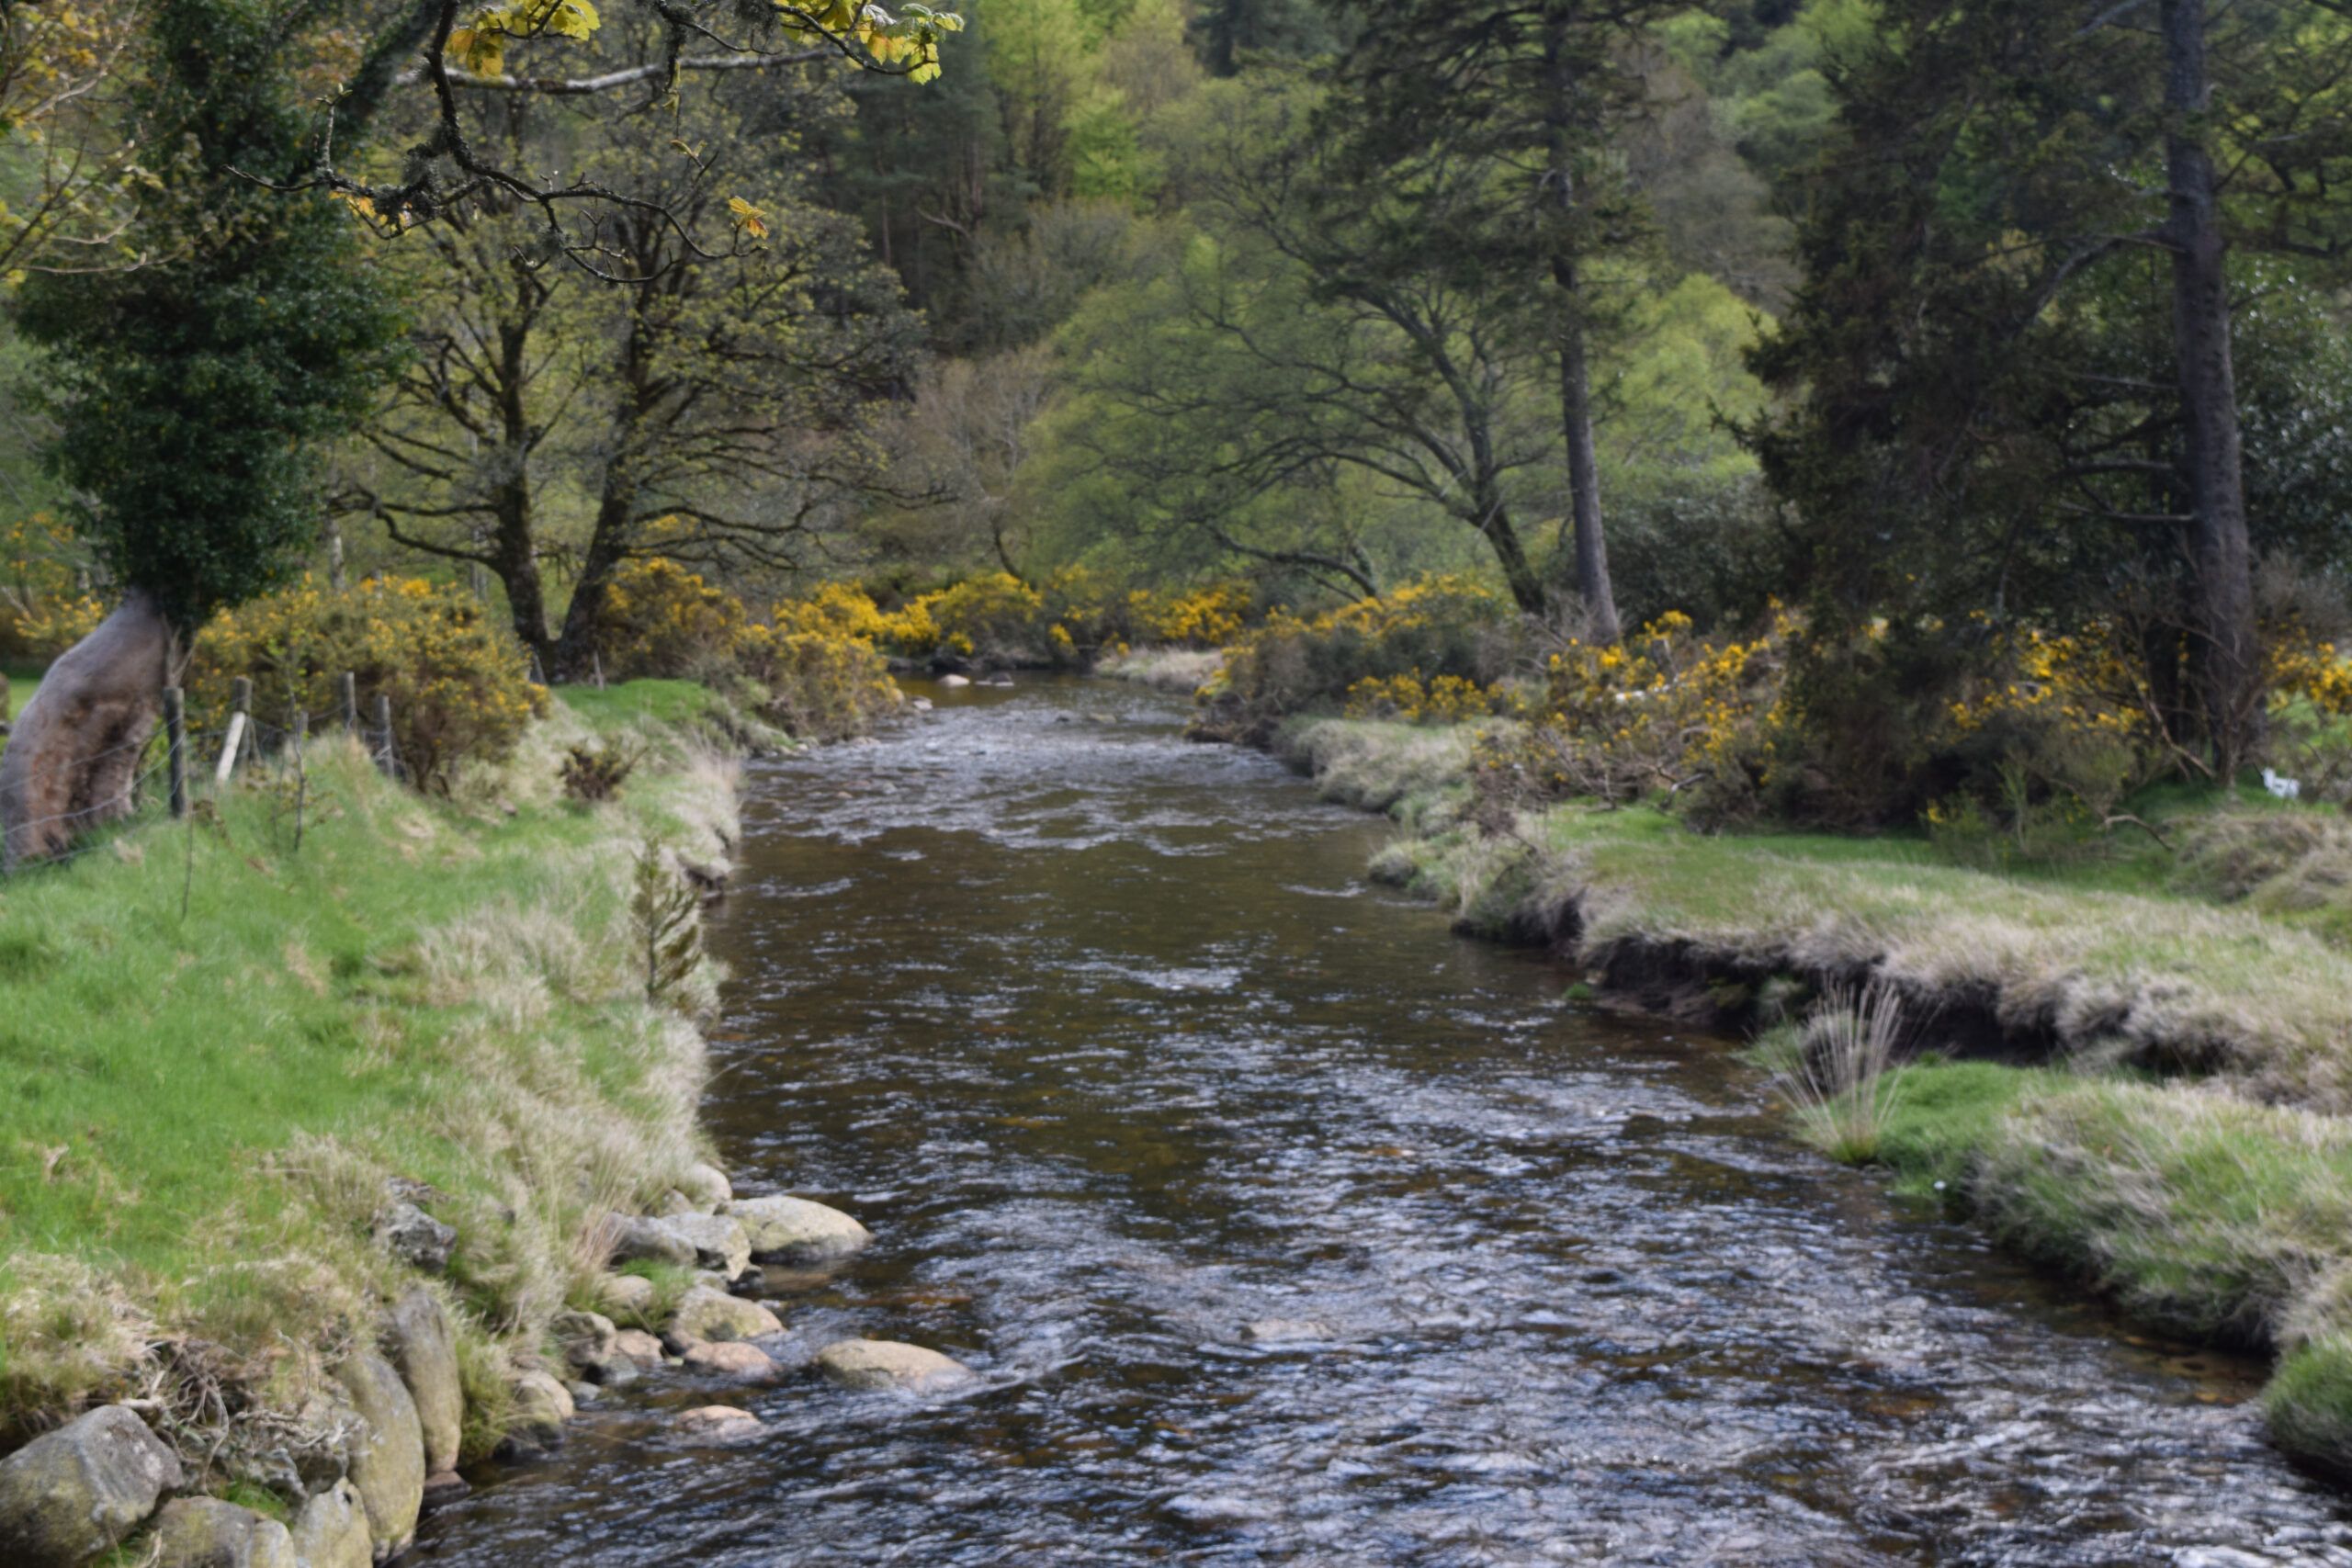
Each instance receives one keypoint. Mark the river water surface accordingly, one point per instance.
(1284, 1227)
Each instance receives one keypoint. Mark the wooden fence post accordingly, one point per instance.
(346, 691)
(389, 756)
(176, 738)
(241, 696)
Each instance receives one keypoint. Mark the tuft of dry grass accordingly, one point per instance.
(1839, 1080)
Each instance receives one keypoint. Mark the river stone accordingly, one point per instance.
(706, 1314)
(204, 1532)
(954, 681)
(542, 1404)
(796, 1230)
(717, 1425)
(639, 1239)
(634, 1347)
(733, 1360)
(717, 1240)
(425, 1352)
(331, 1530)
(886, 1363)
(415, 1237)
(1282, 1330)
(707, 1185)
(587, 1341)
(74, 1492)
(388, 1461)
(628, 1295)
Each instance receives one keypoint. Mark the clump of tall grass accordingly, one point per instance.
(1836, 1072)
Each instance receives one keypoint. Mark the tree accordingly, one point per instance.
(1997, 410)
(1534, 90)
(711, 407)
(1312, 327)
(188, 395)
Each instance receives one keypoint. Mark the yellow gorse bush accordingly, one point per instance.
(1443, 699)
(661, 619)
(457, 681)
(44, 609)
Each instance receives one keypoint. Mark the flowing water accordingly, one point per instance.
(1284, 1227)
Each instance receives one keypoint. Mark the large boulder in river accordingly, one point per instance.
(886, 1363)
(331, 1530)
(639, 1239)
(388, 1460)
(424, 1349)
(542, 1404)
(74, 1492)
(796, 1230)
(706, 1314)
(204, 1532)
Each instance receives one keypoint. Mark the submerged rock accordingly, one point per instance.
(332, 1530)
(719, 1426)
(886, 1363)
(954, 681)
(1282, 1330)
(732, 1359)
(71, 1493)
(388, 1461)
(444, 1488)
(708, 1315)
(204, 1532)
(796, 1230)
(424, 1350)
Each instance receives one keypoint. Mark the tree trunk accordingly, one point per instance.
(1576, 375)
(2220, 557)
(72, 758)
(583, 618)
(1526, 584)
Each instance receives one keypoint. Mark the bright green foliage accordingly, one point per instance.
(190, 393)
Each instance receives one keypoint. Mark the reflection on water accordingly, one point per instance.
(1284, 1227)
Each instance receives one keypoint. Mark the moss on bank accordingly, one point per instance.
(221, 1052)
(2170, 1122)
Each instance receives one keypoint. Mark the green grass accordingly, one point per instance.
(24, 680)
(216, 1049)
(680, 704)
(2189, 1150)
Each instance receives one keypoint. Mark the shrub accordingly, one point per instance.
(1438, 628)
(455, 677)
(43, 608)
(1696, 720)
(593, 773)
(663, 620)
(1207, 617)
(996, 618)
(1442, 699)
(822, 685)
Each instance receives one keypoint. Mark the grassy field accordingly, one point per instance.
(2186, 1147)
(218, 1048)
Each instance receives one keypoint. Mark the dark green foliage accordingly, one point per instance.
(669, 926)
(596, 771)
(190, 393)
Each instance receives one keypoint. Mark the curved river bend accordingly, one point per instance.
(1106, 1038)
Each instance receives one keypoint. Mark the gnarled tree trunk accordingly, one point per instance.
(73, 757)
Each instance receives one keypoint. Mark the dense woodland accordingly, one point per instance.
(1901, 347)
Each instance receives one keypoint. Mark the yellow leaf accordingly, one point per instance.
(752, 222)
(927, 71)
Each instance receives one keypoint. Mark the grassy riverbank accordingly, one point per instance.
(2168, 1122)
(224, 1048)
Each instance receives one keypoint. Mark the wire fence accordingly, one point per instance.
(185, 767)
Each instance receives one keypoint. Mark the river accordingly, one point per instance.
(1285, 1227)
